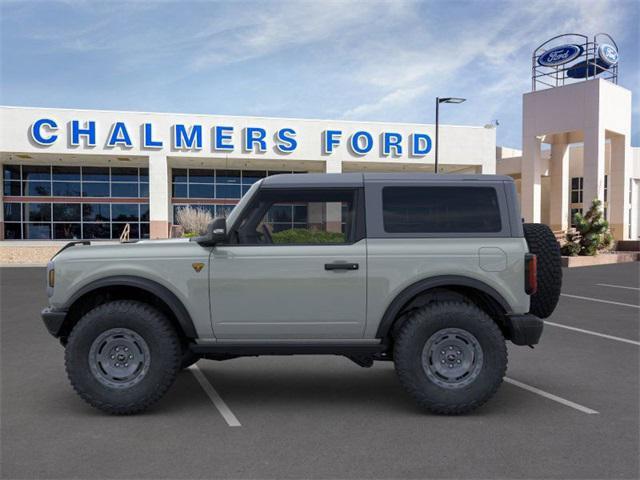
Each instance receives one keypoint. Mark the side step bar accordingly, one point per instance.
(288, 348)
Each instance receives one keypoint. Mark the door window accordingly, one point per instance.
(292, 217)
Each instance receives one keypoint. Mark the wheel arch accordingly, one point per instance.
(489, 299)
(132, 288)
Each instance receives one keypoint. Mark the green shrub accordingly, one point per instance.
(300, 235)
(592, 233)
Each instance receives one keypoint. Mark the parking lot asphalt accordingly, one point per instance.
(325, 417)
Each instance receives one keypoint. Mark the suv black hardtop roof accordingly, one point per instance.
(303, 180)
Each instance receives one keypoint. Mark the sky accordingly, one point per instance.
(345, 60)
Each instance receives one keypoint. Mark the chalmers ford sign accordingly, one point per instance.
(46, 132)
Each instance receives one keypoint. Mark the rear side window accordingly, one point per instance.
(440, 210)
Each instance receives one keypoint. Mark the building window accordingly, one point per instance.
(576, 189)
(196, 186)
(88, 210)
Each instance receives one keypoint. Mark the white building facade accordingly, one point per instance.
(86, 174)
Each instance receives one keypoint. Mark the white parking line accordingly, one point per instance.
(550, 396)
(600, 300)
(616, 286)
(590, 332)
(222, 407)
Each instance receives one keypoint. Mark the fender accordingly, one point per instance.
(160, 291)
(420, 286)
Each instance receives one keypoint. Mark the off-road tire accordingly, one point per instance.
(542, 242)
(414, 334)
(163, 347)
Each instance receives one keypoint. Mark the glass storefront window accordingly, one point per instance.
(74, 219)
(66, 173)
(129, 190)
(95, 189)
(96, 212)
(66, 189)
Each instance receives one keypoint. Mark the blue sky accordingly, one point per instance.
(355, 60)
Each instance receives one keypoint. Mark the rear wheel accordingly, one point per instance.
(122, 356)
(450, 357)
(542, 242)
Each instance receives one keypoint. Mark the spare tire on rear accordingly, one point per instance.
(542, 242)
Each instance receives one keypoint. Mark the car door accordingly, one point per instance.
(295, 267)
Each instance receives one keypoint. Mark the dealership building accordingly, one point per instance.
(85, 174)
(91, 174)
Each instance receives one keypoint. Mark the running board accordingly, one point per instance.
(288, 348)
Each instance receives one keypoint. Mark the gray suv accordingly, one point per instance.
(432, 272)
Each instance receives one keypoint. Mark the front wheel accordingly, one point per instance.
(122, 356)
(450, 357)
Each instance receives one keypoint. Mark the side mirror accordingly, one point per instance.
(216, 233)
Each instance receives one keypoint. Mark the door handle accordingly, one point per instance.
(341, 266)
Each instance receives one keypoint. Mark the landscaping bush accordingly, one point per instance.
(592, 233)
(300, 235)
(194, 221)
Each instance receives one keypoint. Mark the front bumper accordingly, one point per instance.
(525, 329)
(53, 319)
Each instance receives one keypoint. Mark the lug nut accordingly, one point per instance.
(113, 357)
(126, 364)
(130, 356)
(451, 365)
(117, 364)
(126, 349)
(441, 361)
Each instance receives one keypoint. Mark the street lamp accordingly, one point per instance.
(438, 102)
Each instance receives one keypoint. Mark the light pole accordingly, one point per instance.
(438, 102)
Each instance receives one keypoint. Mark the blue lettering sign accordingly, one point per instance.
(189, 139)
(89, 131)
(421, 144)
(391, 140)
(221, 137)
(286, 142)
(37, 134)
(331, 140)
(255, 136)
(147, 138)
(357, 146)
(119, 136)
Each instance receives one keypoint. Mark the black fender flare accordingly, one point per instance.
(420, 286)
(150, 286)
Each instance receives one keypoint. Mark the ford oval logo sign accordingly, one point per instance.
(560, 55)
(608, 54)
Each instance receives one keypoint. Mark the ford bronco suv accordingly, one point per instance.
(432, 272)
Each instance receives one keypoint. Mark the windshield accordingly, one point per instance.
(233, 216)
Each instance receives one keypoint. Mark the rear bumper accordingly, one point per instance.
(525, 329)
(53, 319)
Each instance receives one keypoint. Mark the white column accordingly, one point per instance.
(593, 164)
(531, 178)
(619, 187)
(334, 210)
(559, 168)
(333, 165)
(159, 195)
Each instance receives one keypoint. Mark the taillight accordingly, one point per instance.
(530, 273)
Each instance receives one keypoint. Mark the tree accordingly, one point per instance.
(592, 233)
